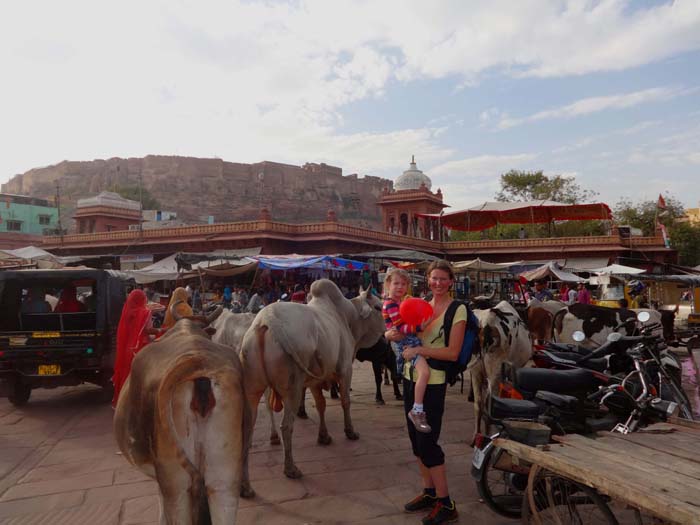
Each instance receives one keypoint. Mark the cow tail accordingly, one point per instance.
(187, 367)
(557, 324)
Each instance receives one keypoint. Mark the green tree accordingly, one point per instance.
(135, 193)
(519, 186)
(685, 238)
(644, 214)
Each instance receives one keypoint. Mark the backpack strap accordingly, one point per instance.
(449, 317)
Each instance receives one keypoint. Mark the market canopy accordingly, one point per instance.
(398, 255)
(490, 214)
(617, 269)
(687, 280)
(32, 255)
(322, 262)
(550, 270)
(168, 269)
(478, 264)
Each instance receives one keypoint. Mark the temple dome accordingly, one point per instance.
(412, 179)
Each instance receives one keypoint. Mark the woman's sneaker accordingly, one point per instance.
(441, 514)
(419, 421)
(420, 502)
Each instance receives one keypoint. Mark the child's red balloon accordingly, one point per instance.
(415, 311)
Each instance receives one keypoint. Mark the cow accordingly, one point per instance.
(596, 322)
(182, 419)
(230, 328)
(504, 337)
(381, 355)
(292, 345)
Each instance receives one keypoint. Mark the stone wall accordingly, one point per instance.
(196, 188)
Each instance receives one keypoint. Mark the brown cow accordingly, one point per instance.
(182, 419)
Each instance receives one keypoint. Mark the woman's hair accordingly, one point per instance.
(394, 273)
(443, 265)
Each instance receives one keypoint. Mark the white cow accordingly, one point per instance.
(504, 338)
(230, 329)
(182, 419)
(291, 345)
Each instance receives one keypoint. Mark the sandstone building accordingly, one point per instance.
(229, 191)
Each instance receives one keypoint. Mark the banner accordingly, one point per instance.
(667, 241)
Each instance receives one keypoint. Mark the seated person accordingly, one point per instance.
(35, 302)
(68, 302)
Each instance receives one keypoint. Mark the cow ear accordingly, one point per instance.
(365, 310)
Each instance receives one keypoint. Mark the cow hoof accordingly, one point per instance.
(302, 414)
(399, 397)
(379, 401)
(352, 435)
(386, 382)
(292, 473)
(246, 491)
(325, 440)
(274, 440)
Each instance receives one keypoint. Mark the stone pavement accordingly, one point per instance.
(59, 465)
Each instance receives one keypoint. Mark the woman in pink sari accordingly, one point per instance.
(132, 335)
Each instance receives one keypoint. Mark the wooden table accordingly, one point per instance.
(656, 470)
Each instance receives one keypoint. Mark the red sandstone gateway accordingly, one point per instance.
(44, 346)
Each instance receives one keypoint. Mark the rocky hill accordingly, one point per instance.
(229, 191)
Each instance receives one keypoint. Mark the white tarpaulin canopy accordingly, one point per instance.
(617, 269)
(478, 264)
(38, 256)
(167, 270)
(553, 270)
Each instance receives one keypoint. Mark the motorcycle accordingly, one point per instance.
(599, 402)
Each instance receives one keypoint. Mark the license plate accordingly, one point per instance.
(49, 370)
(478, 459)
(45, 335)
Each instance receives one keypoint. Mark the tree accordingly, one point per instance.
(644, 214)
(519, 186)
(134, 193)
(685, 238)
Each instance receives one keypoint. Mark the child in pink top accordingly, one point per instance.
(395, 288)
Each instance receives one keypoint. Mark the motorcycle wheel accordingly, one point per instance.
(552, 499)
(500, 489)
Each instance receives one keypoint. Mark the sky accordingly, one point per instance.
(604, 91)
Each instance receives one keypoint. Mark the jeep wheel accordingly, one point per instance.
(20, 394)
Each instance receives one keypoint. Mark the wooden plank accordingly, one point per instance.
(662, 443)
(614, 483)
(643, 458)
(679, 431)
(684, 422)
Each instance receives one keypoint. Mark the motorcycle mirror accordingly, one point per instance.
(578, 336)
(643, 317)
(614, 336)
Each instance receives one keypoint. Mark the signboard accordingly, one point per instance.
(136, 259)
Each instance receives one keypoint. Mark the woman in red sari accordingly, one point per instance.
(132, 335)
(68, 303)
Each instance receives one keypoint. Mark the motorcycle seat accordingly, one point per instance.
(560, 401)
(558, 381)
(505, 408)
(599, 364)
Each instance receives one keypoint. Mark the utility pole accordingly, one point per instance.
(58, 207)
(141, 204)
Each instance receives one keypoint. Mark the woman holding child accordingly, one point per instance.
(429, 454)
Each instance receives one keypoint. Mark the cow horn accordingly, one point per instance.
(493, 293)
(213, 316)
(173, 311)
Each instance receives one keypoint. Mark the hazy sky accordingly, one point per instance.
(607, 91)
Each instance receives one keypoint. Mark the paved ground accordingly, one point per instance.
(59, 465)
